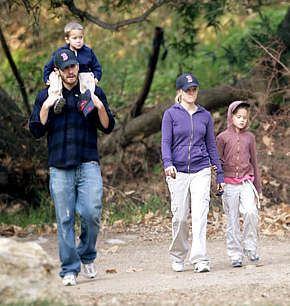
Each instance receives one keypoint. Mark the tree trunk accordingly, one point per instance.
(15, 71)
(157, 42)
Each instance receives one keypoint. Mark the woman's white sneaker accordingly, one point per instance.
(201, 267)
(178, 266)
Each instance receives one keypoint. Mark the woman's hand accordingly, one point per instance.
(214, 168)
(220, 188)
(170, 171)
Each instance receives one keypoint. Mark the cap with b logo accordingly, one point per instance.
(64, 58)
(186, 81)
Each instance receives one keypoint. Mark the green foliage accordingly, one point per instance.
(108, 6)
(44, 213)
(133, 210)
(30, 70)
(237, 53)
(158, 168)
(203, 39)
(213, 11)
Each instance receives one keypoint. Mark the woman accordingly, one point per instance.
(188, 152)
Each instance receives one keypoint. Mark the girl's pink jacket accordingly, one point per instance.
(237, 152)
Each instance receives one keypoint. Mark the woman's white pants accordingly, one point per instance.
(189, 190)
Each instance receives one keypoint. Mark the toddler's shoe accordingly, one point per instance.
(58, 105)
(178, 266)
(237, 263)
(253, 257)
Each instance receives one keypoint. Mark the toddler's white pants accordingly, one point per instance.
(86, 80)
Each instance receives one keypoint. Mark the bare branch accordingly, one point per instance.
(114, 27)
(270, 54)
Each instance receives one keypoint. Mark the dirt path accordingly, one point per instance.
(135, 269)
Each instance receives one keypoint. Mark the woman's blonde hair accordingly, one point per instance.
(178, 97)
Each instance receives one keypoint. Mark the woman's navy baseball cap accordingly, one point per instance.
(186, 81)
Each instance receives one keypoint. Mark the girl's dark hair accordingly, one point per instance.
(242, 105)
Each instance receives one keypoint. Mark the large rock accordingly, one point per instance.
(26, 274)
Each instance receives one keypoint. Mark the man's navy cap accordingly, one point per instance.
(186, 81)
(64, 58)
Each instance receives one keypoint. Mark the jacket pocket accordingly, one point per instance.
(180, 155)
(198, 153)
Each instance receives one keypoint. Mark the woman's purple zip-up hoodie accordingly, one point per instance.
(188, 141)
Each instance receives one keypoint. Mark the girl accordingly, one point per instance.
(188, 152)
(237, 151)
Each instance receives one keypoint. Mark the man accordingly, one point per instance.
(75, 177)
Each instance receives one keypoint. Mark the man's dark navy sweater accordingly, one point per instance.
(72, 139)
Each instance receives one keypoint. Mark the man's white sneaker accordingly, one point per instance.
(201, 267)
(89, 270)
(178, 266)
(69, 280)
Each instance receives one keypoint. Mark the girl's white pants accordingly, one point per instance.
(240, 199)
(86, 80)
(189, 190)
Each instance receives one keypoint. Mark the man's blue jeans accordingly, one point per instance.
(77, 189)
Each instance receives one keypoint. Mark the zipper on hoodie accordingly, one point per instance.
(238, 156)
(191, 137)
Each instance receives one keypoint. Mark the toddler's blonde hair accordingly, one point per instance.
(72, 26)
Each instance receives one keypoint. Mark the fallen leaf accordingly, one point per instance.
(113, 249)
(268, 141)
(271, 232)
(132, 270)
(266, 125)
(148, 216)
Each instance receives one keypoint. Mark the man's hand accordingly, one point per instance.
(97, 102)
(47, 104)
